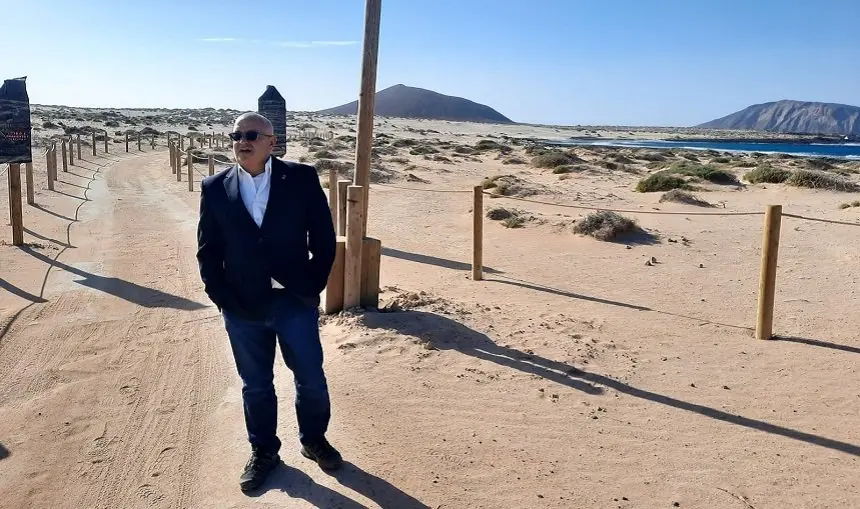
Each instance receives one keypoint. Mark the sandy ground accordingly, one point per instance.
(575, 375)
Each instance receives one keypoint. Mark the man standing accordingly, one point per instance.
(259, 221)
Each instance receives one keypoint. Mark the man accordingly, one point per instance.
(259, 221)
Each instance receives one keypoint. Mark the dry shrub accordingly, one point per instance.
(678, 196)
(766, 174)
(820, 180)
(554, 159)
(661, 181)
(605, 225)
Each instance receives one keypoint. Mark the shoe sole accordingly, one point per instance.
(311, 457)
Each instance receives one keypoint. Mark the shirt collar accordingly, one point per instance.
(267, 171)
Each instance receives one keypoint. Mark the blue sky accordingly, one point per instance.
(636, 62)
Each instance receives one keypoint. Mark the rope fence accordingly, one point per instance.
(773, 215)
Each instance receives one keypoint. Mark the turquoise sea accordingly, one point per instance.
(841, 150)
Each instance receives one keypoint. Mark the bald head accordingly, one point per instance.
(253, 120)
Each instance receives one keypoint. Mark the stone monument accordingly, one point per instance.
(15, 129)
(273, 106)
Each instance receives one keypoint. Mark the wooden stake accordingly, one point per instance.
(94, 143)
(31, 198)
(71, 152)
(366, 101)
(126, 142)
(342, 186)
(190, 170)
(106, 142)
(211, 164)
(138, 141)
(352, 264)
(49, 165)
(78, 139)
(332, 195)
(63, 151)
(767, 282)
(370, 257)
(16, 213)
(333, 301)
(478, 234)
(179, 166)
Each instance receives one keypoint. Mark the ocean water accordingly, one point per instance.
(842, 150)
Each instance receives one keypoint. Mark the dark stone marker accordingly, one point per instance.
(273, 106)
(15, 130)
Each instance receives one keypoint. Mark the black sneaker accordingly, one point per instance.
(324, 454)
(259, 465)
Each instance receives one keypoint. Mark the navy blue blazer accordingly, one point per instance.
(295, 243)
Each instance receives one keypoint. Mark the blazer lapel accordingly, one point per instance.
(276, 183)
(234, 196)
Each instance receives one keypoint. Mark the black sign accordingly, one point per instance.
(15, 131)
(273, 106)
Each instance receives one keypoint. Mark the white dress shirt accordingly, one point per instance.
(255, 195)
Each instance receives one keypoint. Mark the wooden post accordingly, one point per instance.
(181, 142)
(16, 214)
(31, 198)
(126, 142)
(94, 143)
(153, 142)
(49, 167)
(366, 101)
(371, 254)
(478, 234)
(332, 195)
(211, 164)
(190, 161)
(342, 186)
(179, 166)
(78, 139)
(352, 264)
(171, 149)
(71, 152)
(334, 288)
(63, 151)
(138, 141)
(767, 282)
(106, 142)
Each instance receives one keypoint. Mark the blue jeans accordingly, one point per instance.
(296, 328)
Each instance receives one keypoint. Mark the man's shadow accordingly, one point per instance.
(298, 484)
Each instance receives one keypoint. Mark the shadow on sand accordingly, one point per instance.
(446, 334)
(432, 260)
(4, 452)
(817, 342)
(298, 484)
(132, 292)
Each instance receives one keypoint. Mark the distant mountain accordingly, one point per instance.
(411, 102)
(793, 117)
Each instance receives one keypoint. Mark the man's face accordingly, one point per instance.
(253, 153)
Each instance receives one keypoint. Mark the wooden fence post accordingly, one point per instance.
(211, 164)
(31, 197)
(78, 139)
(371, 254)
(94, 143)
(190, 157)
(352, 265)
(478, 234)
(172, 155)
(71, 151)
(106, 142)
(49, 164)
(16, 214)
(767, 281)
(342, 186)
(138, 141)
(332, 195)
(334, 288)
(179, 166)
(126, 141)
(63, 152)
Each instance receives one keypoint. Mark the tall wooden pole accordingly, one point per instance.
(478, 234)
(767, 282)
(366, 101)
(352, 265)
(16, 213)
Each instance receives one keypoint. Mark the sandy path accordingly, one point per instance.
(107, 384)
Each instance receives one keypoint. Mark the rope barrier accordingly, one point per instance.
(426, 190)
(819, 220)
(628, 211)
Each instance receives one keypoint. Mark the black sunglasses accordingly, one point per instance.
(249, 135)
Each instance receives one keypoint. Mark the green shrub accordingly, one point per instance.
(766, 174)
(679, 196)
(325, 154)
(513, 160)
(514, 221)
(423, 149)
(820, 180)
(704, 172)
(661, 181)
(554, 159)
